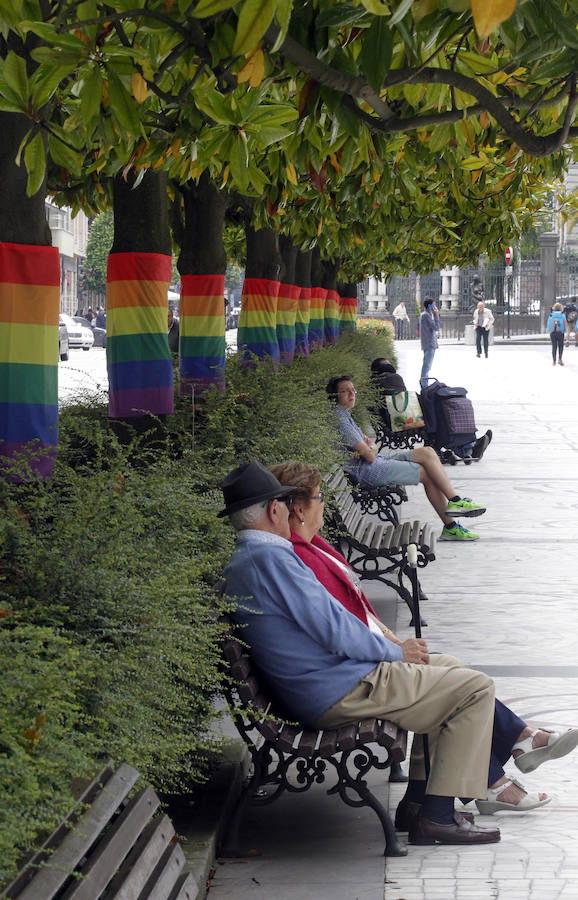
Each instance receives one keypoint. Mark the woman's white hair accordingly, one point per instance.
(247, 517)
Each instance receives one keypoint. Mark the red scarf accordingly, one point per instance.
(330, 574)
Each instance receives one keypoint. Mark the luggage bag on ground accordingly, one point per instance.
(449, 418)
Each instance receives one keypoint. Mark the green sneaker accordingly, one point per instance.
(464, 507)
(457, 532)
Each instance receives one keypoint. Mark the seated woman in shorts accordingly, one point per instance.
(421, 464)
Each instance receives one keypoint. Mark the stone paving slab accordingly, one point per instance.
(506, 604)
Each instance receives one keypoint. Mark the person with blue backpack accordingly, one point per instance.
(556, 327)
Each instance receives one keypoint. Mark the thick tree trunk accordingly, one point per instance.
(317, 302)
(331, 316)
(29, 307)
(140, 370)
(347, 307)
(303, 280)
(257, 334)
(287, 302)
(202, 263)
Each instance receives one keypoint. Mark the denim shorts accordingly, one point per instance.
(395, 469)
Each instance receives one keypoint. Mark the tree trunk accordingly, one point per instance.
(331, 316)
(29, 307)
(202, 263)
(287, 302)
(140, 370)
(303, 280)
(257, 334)
(347, 307)
(317, 302)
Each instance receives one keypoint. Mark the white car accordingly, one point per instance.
(78, 335)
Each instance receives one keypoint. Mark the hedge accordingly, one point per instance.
(108, 632)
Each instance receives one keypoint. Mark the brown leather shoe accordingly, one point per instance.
(407, 812)
(460, 831)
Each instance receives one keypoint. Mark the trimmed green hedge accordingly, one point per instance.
(108, 638)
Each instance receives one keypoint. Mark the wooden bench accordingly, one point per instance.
(397, 440)
(376, 551)
(109, 847)
(292, 758)
(381, 501)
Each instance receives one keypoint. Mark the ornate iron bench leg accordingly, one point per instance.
(231, 847)
(393, 846)
(396, 774)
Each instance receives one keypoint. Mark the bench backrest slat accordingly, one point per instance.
(187, 888)
(142, 860)
(79, 840)
(115, 846)
(166, 875)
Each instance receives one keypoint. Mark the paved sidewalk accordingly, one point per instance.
(505, 604)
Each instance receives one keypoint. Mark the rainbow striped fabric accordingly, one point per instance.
(140, 370)
(302, 322)
(202, 333)
(287, 303)
(317, 320)
(257, 332)
(331, 317)
(347, 314)
(29, 307)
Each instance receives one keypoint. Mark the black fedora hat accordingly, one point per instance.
(248, 484)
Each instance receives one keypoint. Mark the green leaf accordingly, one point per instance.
(122, 105)
(8, 106)
(239, 163)
(46, 80)
(343, 14)
(64, 156)
(376, 53)
(14, 71)
(209, 7)
(283, 16)
(49, 34)
(254, 20)
(91, 95)
(35, 161)
(217, 108)
(377, 7)
(401, 11)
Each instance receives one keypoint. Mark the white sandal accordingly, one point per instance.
(491, 804)
(558, 745)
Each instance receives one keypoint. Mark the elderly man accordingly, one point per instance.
(482, 321)
(330, 669)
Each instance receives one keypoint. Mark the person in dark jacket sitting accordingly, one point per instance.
(387, 382)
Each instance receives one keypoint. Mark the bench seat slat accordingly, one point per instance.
(346, 737)
(186, 888)
(328, 743)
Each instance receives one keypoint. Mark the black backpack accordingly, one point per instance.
(556, 325)
(571, 313)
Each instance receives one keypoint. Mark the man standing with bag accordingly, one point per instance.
(429, 325)
(482, 321)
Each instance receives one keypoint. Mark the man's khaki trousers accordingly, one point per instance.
(452, 704)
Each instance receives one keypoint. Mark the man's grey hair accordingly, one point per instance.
(247, 517)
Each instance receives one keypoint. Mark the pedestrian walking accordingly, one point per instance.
(571, 313)
(429, 325)
(483, 321)
(401, 319)
(556, 326)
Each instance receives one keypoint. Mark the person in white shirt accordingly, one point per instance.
(401, 320)
(482, 321)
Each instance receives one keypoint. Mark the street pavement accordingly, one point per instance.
(505, 604)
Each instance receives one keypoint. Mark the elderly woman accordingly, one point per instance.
(511, 736)
(420, 465)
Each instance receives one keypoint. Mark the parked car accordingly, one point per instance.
(62, 339)
(79, 332)
(99, 334)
